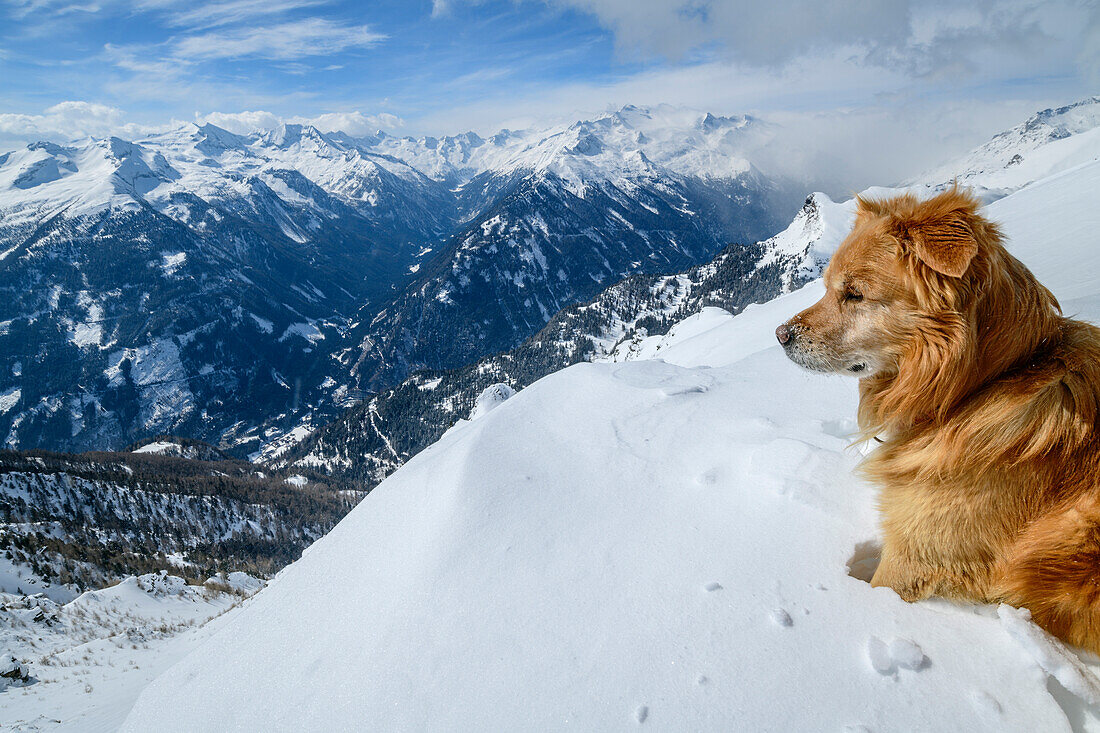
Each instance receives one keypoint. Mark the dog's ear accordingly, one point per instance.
(946, 244)
(868, 208)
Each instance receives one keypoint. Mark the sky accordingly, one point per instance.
(874, 88)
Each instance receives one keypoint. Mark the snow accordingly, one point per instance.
(159, 448)
(277, 445)
(490, 398)
(171, 263)
(19, 578)
(617, 146)
(677, 542)
(307, 331)
(90, 332)
(244, 583)
(620, 147)
(262, 323)
(89, 657)
(9, 398)
(86, 334)
(1048, 143)
(1050, 654)
(159, 372)
(813, 236)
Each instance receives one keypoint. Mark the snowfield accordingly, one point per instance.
(675, 542)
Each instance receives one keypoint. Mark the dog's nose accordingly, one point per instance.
(783, 333)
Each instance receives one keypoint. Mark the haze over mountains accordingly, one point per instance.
(227, 287)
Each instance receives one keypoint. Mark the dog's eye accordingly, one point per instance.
(852, 296)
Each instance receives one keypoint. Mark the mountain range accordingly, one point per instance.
(371, 440)
(233, 288)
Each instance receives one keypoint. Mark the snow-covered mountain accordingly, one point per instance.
(371, 440)
(611, 146)
(226, 287)
(676, 542)
(568, 212)
(177, 285)
(1048, 142)
(543, 247)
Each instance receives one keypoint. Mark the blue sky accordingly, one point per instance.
(923, 78)
(156, 59)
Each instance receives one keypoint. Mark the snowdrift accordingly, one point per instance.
(676, 543)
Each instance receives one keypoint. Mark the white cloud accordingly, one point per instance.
(141, 59)
(353, 123)
(214, 14)
(284, 41)
(72, 120)
(241, 123)
(920, 37)
(67, 121)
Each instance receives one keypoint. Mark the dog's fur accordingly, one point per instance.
(986, 400)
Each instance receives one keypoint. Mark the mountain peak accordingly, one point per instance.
(213, 134)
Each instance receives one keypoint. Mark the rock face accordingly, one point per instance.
(225, 287)
(12, 671)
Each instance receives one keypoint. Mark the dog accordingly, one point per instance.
(985, 400)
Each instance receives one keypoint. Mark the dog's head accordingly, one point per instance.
(912, 296)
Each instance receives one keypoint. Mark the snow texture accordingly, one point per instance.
(676, 543)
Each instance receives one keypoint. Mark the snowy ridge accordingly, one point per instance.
(632, 143)
(1048, 142)
(669, 539)
(370, 441)
(807, 244)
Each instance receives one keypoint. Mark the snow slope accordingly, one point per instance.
(89, 658)
(677, 544)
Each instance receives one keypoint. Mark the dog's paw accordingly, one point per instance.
(908, 586)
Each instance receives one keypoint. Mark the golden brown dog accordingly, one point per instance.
(986, 400)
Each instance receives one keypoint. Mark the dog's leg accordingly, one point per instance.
(911, 580)
(1055, 573)
(915, 579)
